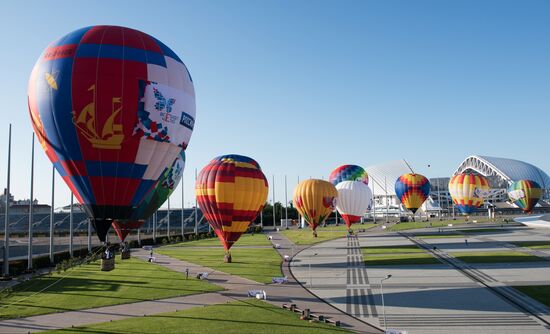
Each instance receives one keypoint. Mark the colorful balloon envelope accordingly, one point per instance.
(231, 190)
(112, 107)
(354, 200)
(168, 181)
(315, 200)
(412, 190)
(348, 173)
(525, 194)
(468, 191)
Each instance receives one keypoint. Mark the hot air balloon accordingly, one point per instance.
(525, 194)
(354, 200)
(468, 191)
(348, 173)
(412, 190)
(112, 107)
(168, 181)
(231, 190)
(315, 199)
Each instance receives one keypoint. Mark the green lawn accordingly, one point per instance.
(481, 230)
(542, 244)
(539, 293)
(396, 255)
(305, 236)
(495, 257)
(87, 287)
(240, 317)
(257, 264)
(245, 240)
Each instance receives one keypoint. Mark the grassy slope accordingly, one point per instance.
(244, 240)
(257, 264)
(438, 236)
(542, 244)
(305, 236)
(540, 293)
(87, 287)
(495, 257)
(431, 223)
(240, 317)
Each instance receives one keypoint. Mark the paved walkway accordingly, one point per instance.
(236, 288)
(420, 298)
(304, 298)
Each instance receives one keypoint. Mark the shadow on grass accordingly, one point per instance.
(402, 261)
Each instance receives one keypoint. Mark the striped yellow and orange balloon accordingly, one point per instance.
(468, 191)
(315, 199)
(231, 190)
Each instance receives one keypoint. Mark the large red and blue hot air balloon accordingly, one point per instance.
(112, 107)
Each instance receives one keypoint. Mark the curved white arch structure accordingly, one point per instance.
(508, 170)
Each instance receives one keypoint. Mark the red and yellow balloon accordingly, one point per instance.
(231, 190)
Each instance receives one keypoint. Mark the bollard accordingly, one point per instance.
(306, 314)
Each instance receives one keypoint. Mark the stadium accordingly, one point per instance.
(500, 172)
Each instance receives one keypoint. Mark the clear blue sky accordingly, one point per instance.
(304, 86)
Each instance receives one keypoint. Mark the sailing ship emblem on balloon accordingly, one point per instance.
(111, 135)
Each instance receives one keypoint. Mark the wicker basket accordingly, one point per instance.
(125, 254)
(107, 264)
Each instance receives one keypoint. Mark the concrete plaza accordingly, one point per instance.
(450, 297)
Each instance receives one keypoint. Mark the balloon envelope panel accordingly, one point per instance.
(354, 200)
(112, 107)
(231, 190)
(348, 173)
(165, 186)
(412, 190)
(468, 191)
(315, 199)
(525, 194)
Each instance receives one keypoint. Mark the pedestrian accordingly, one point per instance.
(186, 273)
(466, 242)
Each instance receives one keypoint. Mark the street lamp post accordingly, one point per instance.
(382, 295)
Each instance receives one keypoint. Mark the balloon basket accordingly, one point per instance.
(227, 258)
(125, 254)
(107, 264)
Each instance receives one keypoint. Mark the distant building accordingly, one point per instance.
(22, 206)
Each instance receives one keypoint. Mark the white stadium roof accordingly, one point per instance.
(382, 177)
(508, 169)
